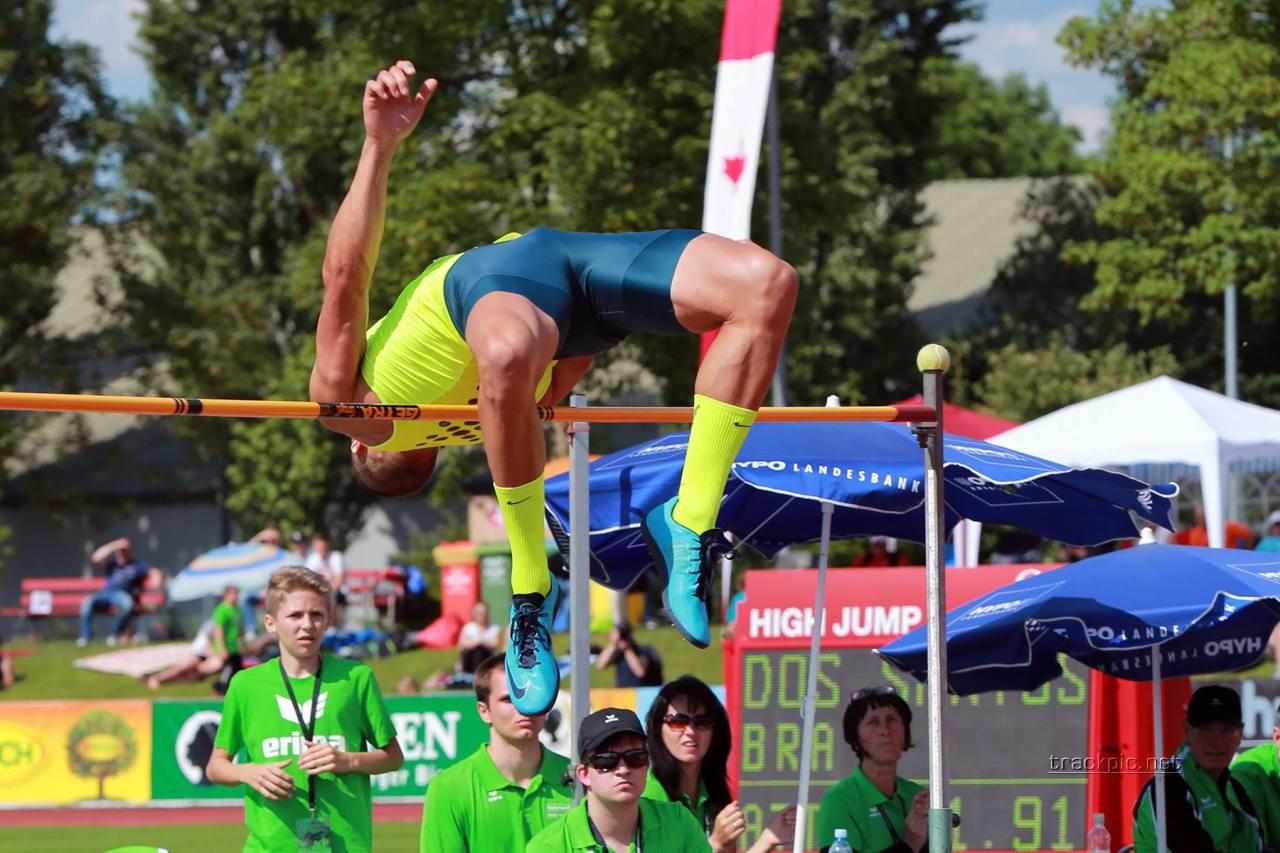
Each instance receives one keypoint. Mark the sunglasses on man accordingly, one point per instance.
(678, 722)
(607, 762)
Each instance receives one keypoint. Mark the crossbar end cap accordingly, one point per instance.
(933, 357)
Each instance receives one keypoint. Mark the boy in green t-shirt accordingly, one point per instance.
(304, 721)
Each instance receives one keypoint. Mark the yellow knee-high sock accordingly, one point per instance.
(522, 508)
(714, 441)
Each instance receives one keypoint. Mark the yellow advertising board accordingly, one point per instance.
(71, 752)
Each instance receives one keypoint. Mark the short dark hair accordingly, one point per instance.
(624, 631)
(480, 679)
(860, 704)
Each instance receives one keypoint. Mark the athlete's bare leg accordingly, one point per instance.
(513, 342)
(747, 294)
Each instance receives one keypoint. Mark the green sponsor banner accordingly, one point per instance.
(183, 735)
(434, 732)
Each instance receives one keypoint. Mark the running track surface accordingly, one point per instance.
(133, 816)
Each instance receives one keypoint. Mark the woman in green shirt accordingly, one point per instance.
(879, 809)
(689, 744)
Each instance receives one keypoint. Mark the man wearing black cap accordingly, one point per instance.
(1207, 808)
(613, 818)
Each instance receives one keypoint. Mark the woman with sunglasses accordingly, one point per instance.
(879, 809)
(689, 742)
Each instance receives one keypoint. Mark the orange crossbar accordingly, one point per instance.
(18, 401)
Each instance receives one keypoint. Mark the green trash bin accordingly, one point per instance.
(495, 576)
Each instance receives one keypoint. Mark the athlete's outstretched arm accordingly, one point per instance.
(392, 110)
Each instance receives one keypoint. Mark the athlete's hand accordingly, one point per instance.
(321, 757)
(269, 780)
(392, 107)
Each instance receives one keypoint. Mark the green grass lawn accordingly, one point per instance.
(178, 838)
(48, 673)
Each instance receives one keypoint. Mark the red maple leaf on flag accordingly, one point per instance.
(734, 166)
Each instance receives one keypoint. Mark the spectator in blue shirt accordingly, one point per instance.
(126, 576)
(1270, 540)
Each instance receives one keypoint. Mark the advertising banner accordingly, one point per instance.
(184, 733)
(58, 753)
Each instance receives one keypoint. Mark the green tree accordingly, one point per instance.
(100, 745)
(998, 129)
(54, 117)
(1196, 79)
(1023, 383)
(585, 114)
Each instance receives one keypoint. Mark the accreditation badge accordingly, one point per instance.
(313, 833)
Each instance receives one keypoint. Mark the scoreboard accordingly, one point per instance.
(1003, 782)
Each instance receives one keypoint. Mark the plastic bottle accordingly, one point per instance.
(1099, 840)
(841, 844)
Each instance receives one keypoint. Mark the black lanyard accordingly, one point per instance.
(308, 729)
(600, 838)
(893, 833)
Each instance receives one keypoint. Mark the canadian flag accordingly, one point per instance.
(737, 122)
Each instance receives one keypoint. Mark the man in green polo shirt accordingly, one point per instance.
(1258, 770)
(1206, 807)
(507, 791)
(613, 817)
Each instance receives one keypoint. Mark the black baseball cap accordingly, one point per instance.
(1214, 703)
(604, 724)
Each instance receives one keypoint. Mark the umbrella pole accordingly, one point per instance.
(579, 580)
(810, 708)
(1157, 716)
(933, 362)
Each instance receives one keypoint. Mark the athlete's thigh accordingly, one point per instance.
(713, 278)
(503, 324)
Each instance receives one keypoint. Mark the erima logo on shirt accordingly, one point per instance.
(289, 712)
(292, 743)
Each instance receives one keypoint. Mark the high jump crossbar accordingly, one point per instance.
(20, 401)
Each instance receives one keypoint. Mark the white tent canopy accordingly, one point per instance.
(1160, 421)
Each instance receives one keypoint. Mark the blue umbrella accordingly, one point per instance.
(1140, 614)
(873, 473)
(1204, 609)
(247, 565)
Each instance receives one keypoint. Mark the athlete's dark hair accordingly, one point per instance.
(861, 703)
(715, 764)
(480, 680)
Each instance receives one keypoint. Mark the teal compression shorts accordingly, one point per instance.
(597, 288)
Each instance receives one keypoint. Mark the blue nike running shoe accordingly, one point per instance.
(532, 674)
(687, 559)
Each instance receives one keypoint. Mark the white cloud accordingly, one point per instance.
(1094, 121)
(110, 26)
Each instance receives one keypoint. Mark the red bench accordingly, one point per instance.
(383, 588)
(42, 598)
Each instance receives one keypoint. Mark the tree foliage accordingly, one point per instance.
(1023, 383)
(586, 114)
(1191, 173)
(998, 129)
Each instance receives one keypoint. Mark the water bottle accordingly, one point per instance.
(841, 844)
(1099, 839)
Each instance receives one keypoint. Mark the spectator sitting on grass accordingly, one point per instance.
(126, 576)
(217, 645)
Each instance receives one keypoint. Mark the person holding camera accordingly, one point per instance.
(638, 665)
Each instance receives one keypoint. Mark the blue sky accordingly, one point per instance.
(1016, 36)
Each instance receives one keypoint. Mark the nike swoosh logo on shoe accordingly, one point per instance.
(518, 691)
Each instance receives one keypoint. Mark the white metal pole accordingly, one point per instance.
(579, 577)
(1157, 716)
(809, 711)
(933, 362)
